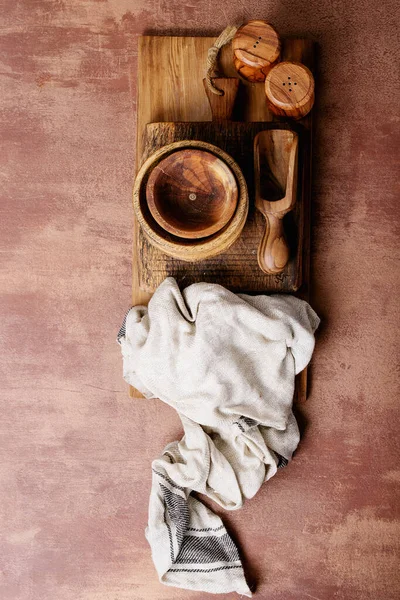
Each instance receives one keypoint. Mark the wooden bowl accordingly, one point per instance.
(189, 249)
(192, 193)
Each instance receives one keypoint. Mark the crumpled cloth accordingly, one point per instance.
(226, 363)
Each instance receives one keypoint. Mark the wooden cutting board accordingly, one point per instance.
(170, 88)
(237, 268)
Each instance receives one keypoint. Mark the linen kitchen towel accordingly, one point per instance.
(226, 363)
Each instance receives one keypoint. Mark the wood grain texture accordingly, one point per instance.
(166, 90)
(237, 268)
(250, 73)
(275, 173)
(222, 107)
(289, 87)
(161, 242)
(164, 94)
(256, 47)
(192, 193)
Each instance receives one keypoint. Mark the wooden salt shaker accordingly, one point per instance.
(256, 48)
(289, 88)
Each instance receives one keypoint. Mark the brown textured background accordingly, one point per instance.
(75, 450)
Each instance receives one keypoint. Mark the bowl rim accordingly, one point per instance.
(228, 210)
(190, 249)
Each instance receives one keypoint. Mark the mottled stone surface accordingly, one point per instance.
(75, 450)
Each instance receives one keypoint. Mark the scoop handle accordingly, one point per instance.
(273, 251)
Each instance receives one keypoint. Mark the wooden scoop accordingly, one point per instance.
(275, 170)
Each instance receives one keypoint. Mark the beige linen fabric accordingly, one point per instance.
(226, 363)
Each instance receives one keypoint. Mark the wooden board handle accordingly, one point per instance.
(222, 106)
(273, 251)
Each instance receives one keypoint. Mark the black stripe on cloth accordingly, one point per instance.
(245, 423)
(249, 422)
(169, 454)
(171, 483)
(122, 329)
(178, 512)
(171, 543)
(282, 461)
(205, 570)
(240, 426)
(208, 549)
(206, 528)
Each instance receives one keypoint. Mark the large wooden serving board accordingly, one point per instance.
(170, 89)
(237, 268)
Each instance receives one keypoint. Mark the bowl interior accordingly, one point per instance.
(192, 193)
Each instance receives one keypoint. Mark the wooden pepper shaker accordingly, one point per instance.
(289, 88)
(256, 48)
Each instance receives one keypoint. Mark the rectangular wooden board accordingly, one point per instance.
(170, 88)
(237, 268)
